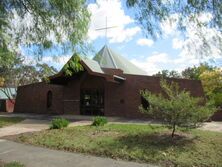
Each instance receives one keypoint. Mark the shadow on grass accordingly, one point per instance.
(156, 141)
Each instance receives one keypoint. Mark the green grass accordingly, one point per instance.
(6, 121)
(11, 164)
(14, 164)
(141, 143)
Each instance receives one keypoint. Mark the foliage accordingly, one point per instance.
(196, 71)
(151, 14)
(16, 73)
(6, 121)
(212, 84)
(142, 143)
(212, 81)
(50, 21)
(59, 123)
(168, 74)
(176, 107)
(14, 164)
(99, 121)
(217, 98)
(73, 66)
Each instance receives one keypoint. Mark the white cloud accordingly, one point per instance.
(112, 9)
(58, 61)
(144, 42)
(177, 43)
(161, 61)
(169, 26)
(196, 37)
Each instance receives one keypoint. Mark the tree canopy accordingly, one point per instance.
(210, 76)
(176, 107)
(184, 14)
(43, 23)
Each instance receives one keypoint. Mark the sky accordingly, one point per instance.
(127, 39)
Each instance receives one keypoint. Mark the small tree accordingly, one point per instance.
(176, 107)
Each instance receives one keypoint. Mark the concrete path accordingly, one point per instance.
(37, 122)
(33, 125)
(28, 125)
(32, 156)
(212, 126)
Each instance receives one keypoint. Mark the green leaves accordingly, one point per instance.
(73, 66)
(200, 17)
(47, 22)
(176, 107)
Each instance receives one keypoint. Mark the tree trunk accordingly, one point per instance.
(174, 128)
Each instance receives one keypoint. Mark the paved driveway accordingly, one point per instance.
(33, 156)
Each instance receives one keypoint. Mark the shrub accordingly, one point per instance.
(59, 123)
(99, 121)
(177, 107)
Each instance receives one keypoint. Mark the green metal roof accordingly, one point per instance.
(107, 58)
(12, 92)
(93, 65)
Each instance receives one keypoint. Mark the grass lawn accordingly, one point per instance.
(141, 143)
(6, 121)
(11, 164)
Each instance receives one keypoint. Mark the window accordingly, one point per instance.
(49, 99)
(145, 103)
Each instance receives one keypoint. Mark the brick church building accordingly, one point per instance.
(109, 85)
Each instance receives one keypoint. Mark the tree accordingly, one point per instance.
(73, 65)
(195, 71)
(198, 15)
(212, 84)
(43, 23)
(18, 74)
(168, 74)
(176, 107)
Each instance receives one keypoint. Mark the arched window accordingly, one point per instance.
(49, 99)
(145, 103)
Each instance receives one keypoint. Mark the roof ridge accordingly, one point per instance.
(111, 57)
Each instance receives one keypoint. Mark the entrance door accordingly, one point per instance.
(92, 102)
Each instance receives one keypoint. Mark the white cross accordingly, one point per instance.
(106, 28)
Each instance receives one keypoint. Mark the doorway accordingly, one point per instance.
(92, 102)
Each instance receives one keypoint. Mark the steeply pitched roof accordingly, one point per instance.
(107, 58)
(108, 64)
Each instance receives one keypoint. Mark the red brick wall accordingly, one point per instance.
(33, 99)
(129, 92)
(121, 99)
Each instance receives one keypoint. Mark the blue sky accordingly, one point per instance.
(127, 38)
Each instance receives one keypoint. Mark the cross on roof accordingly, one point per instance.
(105, 28)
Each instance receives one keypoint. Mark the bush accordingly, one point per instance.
(59, 123)
(177, 107)
(99, 121)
